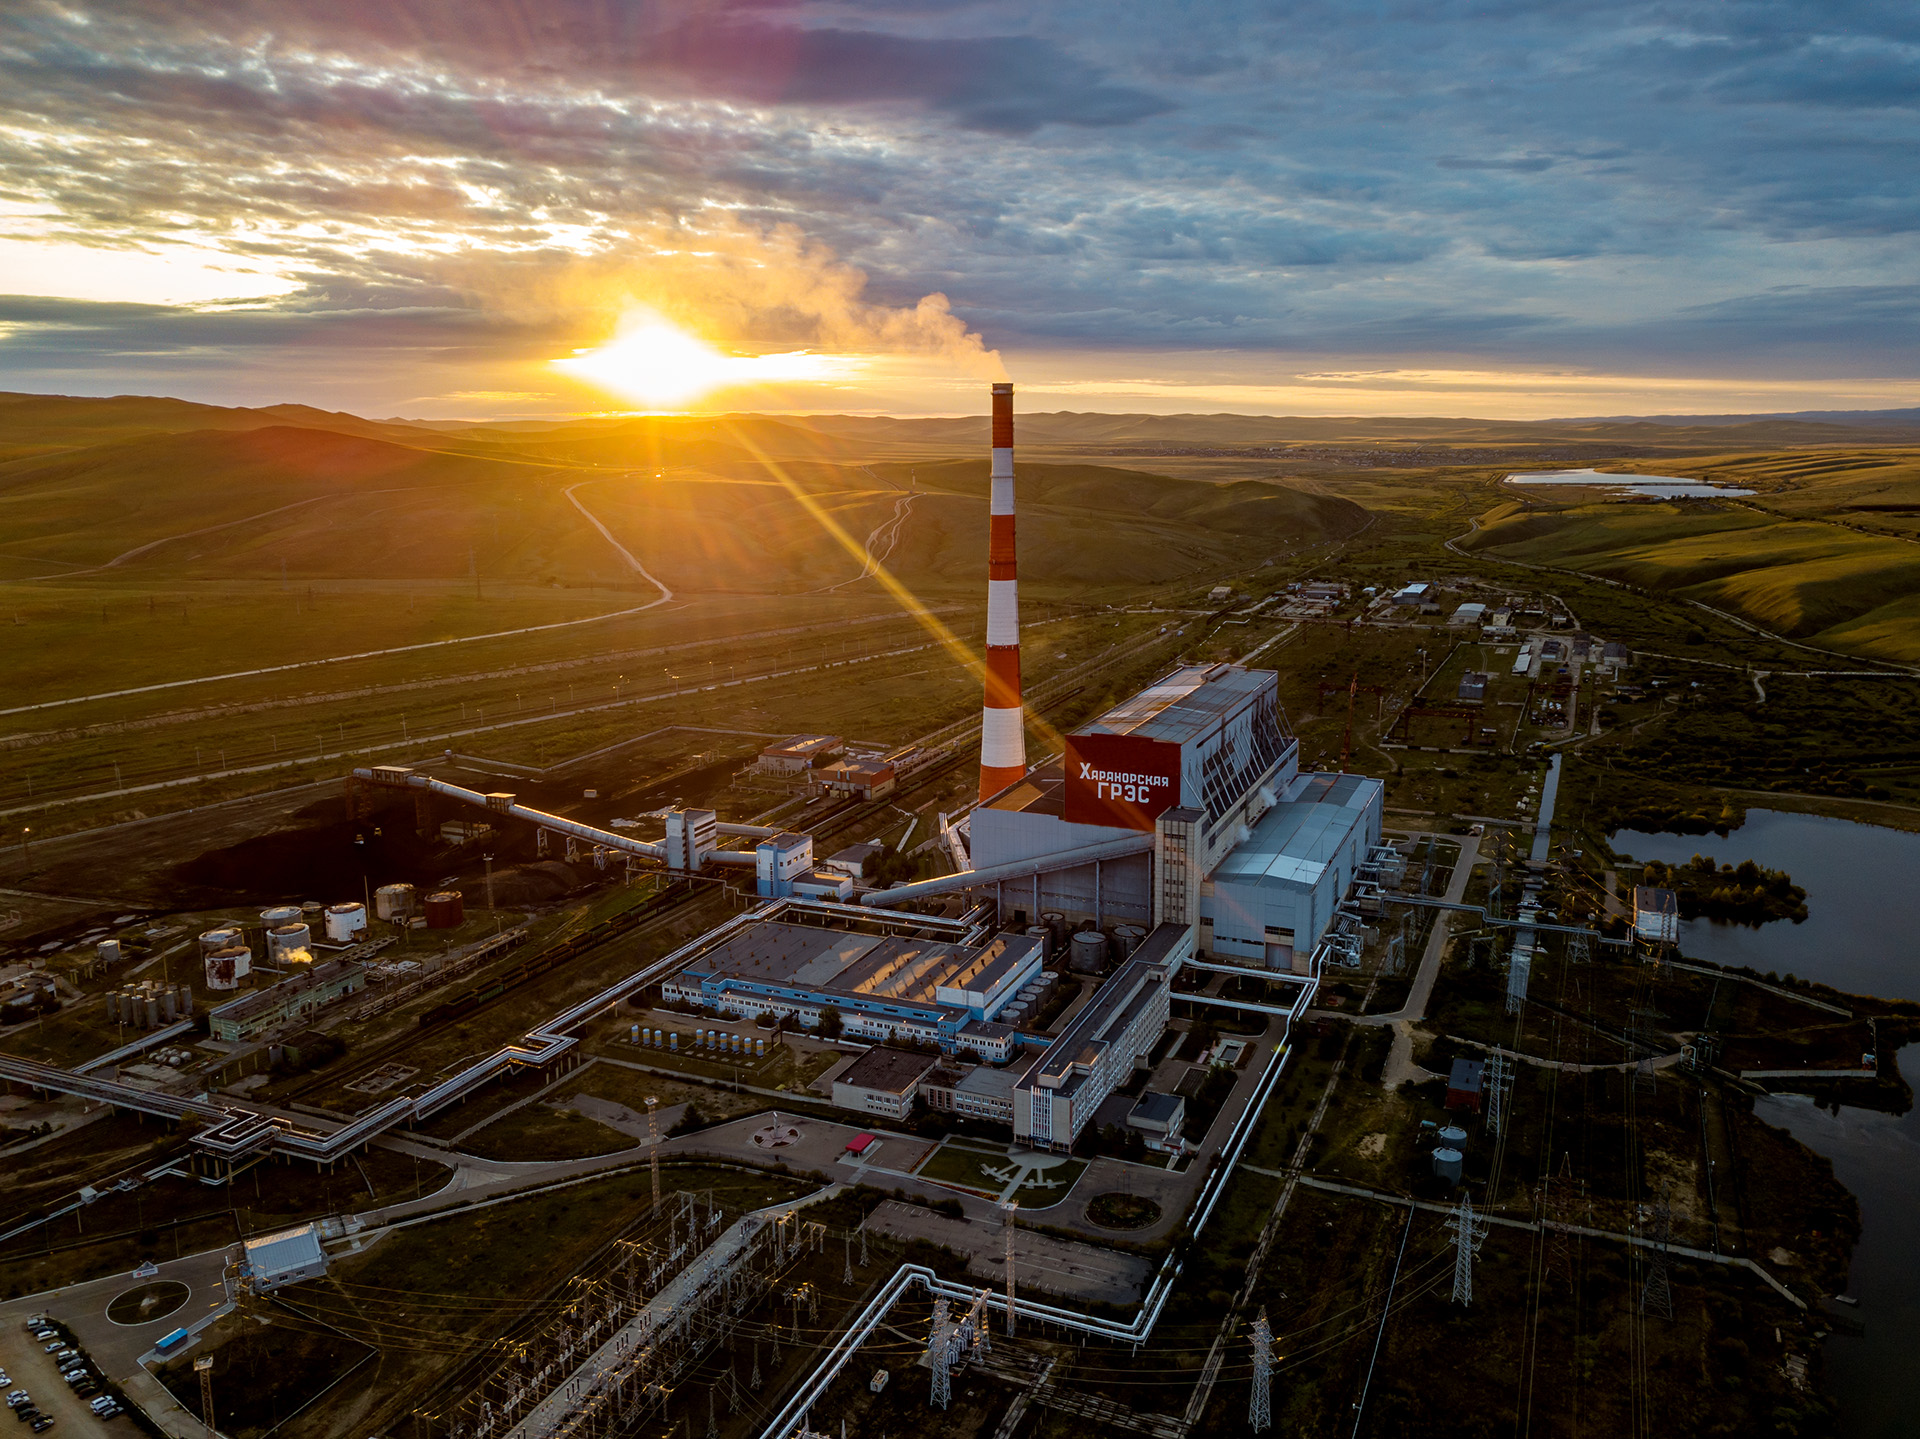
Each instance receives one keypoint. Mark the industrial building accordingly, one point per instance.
(797, 754)
(882, 986)
(1656, 915)
(290, 999)
(1064, 1088)
(1276, 893)
(288, 1256)
(882, 1081)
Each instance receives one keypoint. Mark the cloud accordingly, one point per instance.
(472, 183)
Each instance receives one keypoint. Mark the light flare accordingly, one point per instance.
(662, 366)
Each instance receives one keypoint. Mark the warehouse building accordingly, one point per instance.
(882, 986)
(291, 999)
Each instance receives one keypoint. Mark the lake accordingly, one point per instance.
(1872, 1377)
(1863, 902)
(1656, 487)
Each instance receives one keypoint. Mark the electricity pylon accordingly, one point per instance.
(1260, 1408)
(1468, 1231)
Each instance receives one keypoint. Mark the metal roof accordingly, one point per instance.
(284, 1252)
(1190, 702)
(1297, 839)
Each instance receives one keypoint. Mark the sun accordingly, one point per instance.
(663, 367)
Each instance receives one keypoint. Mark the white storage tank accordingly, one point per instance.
(223, 937)
(280, 914)
(108, 951)
(346, 922)
(289, 939)
(393, 901)
(226, 967)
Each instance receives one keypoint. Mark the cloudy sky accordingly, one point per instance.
(418, 206)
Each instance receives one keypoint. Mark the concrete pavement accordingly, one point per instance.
(1400, 1068)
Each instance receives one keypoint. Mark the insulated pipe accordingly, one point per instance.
(1019, 869)
(604, 838)
(1003, 744)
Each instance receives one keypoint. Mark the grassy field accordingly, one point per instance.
(1805, 577)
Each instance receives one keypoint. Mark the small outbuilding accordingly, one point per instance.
(1465, 1083)
(288, 1256)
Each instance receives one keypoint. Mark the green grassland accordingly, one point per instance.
(1822, 583)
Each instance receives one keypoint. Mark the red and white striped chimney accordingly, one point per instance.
(1003, 742)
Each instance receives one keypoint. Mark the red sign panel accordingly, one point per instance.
(1120, 781)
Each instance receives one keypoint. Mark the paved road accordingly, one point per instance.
(1400, 1068)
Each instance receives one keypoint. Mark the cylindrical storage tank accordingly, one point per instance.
(313, 915)
(183, 999)
(152, 1007)
(113, 1007)
(1448, 1164)
(280, 914)
(285, 939)
(1057, 925)
(1453, 1137)
(1045, 936)
(444, 910)
(223, 969)
(1089, 951)
(759, 1049)
(1126, 938)
(224, 937)
(393, 901)
(166, 1005)
(108, 951)
(673, 1041)
(345, 922)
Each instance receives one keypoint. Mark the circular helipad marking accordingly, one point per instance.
(145, 1303)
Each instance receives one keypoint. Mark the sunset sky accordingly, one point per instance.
(418, 207)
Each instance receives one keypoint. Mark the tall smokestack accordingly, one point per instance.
(1003, 741)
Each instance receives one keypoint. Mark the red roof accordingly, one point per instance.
(858, 1144)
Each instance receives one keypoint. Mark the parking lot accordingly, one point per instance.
(31, 1368)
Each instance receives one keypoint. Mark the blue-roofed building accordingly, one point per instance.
(882, 986)
(1275, 894)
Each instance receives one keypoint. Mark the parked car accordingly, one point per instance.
(42, 1424)
(26, 1414)
(17, 1398)
(105, 1401)
(4, 1380)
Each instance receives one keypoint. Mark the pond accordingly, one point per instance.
(1863, 906)
(1872, 1375)
(1655, 487)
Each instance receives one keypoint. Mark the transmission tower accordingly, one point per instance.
(653, 1146)
(713, 1418)
(1013, 1215)
(1656, 1297)
(937, 1358)
(203, 1366)
(1468, 1231)
(1498, 1077)
(1260, 1408)
(863, 1244)
(1579, 947)
(1643, 1047)
(1559, 1209)
(846, 1274)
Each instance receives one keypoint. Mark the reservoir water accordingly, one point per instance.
(1872, 1376)
(1863, 915)
(1863, 901)
(1657, 487)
